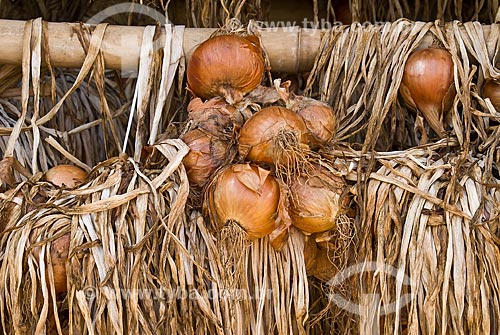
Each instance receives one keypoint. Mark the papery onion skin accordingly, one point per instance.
(428, 84)
(225, 65)
(59, 251)
(215, 116)
(319, 119)
(491, 90)
(207, 153)
(247, 195)
(62, 176)
(316, 204)
(65, 175)
(257, 134)
(318, 262)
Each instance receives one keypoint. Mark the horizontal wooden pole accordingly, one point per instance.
(290, 50)
(121, 45)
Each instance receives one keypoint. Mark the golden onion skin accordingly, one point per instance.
(319, 120)
(66, 175)
(491, 90)
(428, 84)
(249, 196)
(59, 251)
(206, 155)
(225, 65)
(315, 205)
(257, 134)
(215, 116)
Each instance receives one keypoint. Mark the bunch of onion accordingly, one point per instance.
(229, 66)
(318, 200)
(207, 153)
(67, 176)
(428, 87)
(491, 90)
(275, 136)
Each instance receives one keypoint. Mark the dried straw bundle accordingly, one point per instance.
(115, 221)
(428, 247)
(434, 220)
(359, 70)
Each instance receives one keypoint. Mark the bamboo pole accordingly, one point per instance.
(290, 49)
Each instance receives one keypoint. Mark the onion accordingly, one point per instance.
(269, 132)
(318, 263)
(216, 116)
(318, 117)
(246, 195)
(428, 85)
(491, 90)
(59, 250)
(65, 175)
(317, 201)
(207, 153)
(62, 176)
(227, 65)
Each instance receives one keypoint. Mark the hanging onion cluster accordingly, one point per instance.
(281, 131)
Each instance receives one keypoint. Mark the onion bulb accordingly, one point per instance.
(318, 117)
(317, 261)
(215, 116)
(62, 176)
(427, 85)
(247, 195)
(207, 153)
(226, 65)
(59, 250)
(65, 175)
(261, 135)
(491, 90)
(317, 201)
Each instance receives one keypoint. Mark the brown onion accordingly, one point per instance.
(428, 85)
(317, 201)
(318, 263)
(227, 65)
(491, 90)
(207, 153)
(247, 195)
(62, 176)
(318, 117)
(215, 116)
(65, 175)
(59, 251)
(257, 141)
